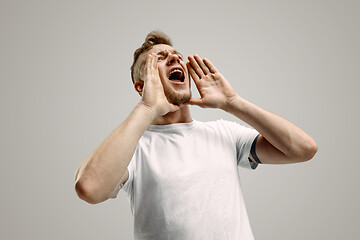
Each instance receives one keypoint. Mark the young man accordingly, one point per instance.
(181, 174)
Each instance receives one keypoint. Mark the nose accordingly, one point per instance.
(173, 58)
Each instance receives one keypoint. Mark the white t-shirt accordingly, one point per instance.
(184, 184)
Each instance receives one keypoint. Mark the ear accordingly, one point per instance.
(139, 86)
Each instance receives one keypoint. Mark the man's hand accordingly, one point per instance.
(279, 142)
(101, 174)
(214, 89)
(153, 95)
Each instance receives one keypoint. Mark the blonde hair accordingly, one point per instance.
(153, 38)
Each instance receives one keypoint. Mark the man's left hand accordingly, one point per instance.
(214, 89)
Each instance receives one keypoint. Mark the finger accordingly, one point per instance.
(211, 66)
(149, 64)
(195, 101)
(147, 70)
(154, 72)
(174, 108)
(203, 67)
(192, 73)
(153, 63)
(196, 66)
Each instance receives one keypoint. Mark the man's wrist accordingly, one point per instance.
(232, 103)
(150, 112)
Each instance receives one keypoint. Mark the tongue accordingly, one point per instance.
(176, 76)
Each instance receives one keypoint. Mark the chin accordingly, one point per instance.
(177, 99)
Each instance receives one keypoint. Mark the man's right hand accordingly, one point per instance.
(153, 96)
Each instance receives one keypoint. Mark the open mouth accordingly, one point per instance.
(177, 75)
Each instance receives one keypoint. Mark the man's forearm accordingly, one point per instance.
(282, 134)
(100, 173)
(280, 140)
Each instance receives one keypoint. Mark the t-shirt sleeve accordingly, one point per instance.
(244, 138)
(127, 186)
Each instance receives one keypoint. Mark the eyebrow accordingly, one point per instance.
(162, 52)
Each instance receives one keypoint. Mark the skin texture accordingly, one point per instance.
(166, 60)
(105, 169)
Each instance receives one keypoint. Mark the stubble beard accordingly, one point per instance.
(177, 98)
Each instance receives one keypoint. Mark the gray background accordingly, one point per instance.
(65, 85)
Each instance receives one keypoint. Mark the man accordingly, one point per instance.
(181, 174)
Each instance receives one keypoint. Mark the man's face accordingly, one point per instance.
(173, 73)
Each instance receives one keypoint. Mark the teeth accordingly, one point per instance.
(176, 70)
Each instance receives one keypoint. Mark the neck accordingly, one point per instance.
(180, 116)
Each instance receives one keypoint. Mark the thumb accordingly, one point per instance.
(195, 101)
(174, 108)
